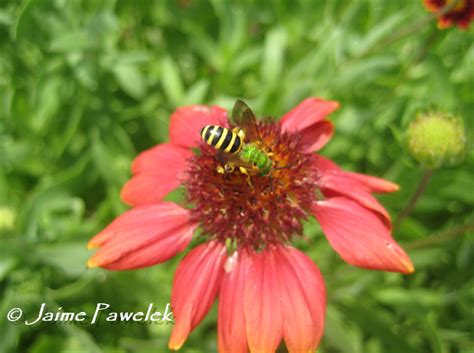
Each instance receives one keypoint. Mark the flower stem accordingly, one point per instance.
(414, 199)
(440, 237)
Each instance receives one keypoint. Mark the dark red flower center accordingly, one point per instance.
(258, 210)
(460, 12)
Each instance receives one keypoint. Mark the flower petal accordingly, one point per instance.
(187, 122)
(145, 189)
(341, 184)
(195, 286)
(374, 184)
(307, 113)
(158, 170)
(370, 183)
(359, 236)
(143, 236)
(164, 160)
(231, 322)
(162, 250)
(303, 298)
(163, 214)
(325, 165)
(316, 136)
(262, 304)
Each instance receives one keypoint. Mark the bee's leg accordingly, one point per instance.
(246, 173)
(220, 169)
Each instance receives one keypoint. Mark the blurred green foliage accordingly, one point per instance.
(86, 85)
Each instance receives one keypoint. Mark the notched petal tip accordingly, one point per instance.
(143, 236)
(98, 239)
(92, 245)
(175, 345)
(91, 263)
(98, 260)
(408, 267)
(389, 186)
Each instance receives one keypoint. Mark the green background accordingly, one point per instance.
(86, 85)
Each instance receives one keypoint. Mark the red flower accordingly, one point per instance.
(461, 13)
(268, 290)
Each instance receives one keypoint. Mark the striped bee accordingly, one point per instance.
(222, 138)
(242, 147)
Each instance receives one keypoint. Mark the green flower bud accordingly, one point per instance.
(436, 139)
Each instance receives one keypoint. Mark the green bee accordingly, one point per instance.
(241, 147)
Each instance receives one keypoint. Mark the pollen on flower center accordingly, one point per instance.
(258, 210)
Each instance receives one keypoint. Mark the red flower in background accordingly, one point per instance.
(267, 289)
(461, 13)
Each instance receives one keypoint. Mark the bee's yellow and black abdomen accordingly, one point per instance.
(221, 138)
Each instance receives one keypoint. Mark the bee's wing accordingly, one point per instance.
(243, 117)
(223, 157)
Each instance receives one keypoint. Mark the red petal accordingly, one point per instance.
(186, 123)
(374, 184)
(146, 189)
(316, 136)
(370, 183)
(165, 160)
(341, 184)
(160, 251)
(231, 322)
(325, 165)
(359, 236)
(143, 236)
(195, 286)
(303, 298)
(158, 170)
(262, 304)
(163, 214)
(307, 113)
(431, 5)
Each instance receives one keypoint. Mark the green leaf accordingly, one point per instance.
(171, 81)
(70, 258)
(197, 92)
(130, 80)
(273, 60)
